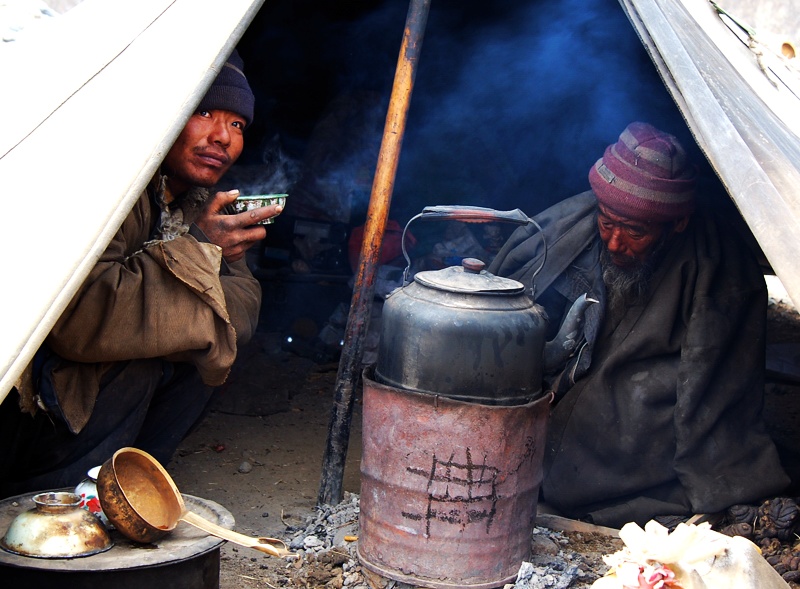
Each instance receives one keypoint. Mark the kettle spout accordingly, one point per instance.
(559, 349)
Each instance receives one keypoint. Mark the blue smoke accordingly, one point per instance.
(512, 112)
(514, 99)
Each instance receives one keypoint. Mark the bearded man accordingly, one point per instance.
(658, 412)
(157, 323)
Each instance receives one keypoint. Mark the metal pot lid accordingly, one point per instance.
(470, 277)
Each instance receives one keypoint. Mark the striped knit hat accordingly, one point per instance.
(645, 176)
(230, 91)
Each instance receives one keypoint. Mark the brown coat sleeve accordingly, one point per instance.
(164, 300)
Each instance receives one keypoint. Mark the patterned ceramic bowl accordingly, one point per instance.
(247, 203)
(87, 491)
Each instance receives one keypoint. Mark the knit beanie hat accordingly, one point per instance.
(645, 176)
(230, 91)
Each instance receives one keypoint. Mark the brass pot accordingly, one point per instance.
(132, 487)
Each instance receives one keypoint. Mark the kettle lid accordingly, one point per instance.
(470, 277)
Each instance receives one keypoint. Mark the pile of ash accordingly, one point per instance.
(559, 560)
(327, 555)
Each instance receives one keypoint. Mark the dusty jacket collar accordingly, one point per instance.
(176, 217)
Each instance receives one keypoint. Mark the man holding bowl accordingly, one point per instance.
(134, 358)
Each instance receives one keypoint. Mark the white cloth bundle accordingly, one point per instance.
(691, 557)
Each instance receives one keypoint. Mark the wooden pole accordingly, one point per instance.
(330, 491)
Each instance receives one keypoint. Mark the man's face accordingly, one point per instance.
(629, 242)
(209, 144)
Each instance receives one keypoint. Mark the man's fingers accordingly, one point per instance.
(221, 200)
(250, 236)
(237, 232)
(253, 216)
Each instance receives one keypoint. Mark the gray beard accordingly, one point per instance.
(628, 286)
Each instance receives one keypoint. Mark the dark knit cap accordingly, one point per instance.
(645, 176)
(230, 91)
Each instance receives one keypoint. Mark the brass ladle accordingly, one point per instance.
(140, 498)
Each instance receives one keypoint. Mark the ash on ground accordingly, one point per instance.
(326, 547)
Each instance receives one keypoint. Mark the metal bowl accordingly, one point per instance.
(56, 528)
(247, 203)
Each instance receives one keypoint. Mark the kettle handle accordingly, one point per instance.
(472, 214)
(469, 214)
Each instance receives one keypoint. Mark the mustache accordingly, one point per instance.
(625, 286)
(221, 154)
(629, 285)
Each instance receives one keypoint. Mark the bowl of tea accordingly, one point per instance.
(248, 203)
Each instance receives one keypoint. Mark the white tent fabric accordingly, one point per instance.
(91, 102)
(743, 108)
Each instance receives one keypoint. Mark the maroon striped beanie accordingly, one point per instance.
(645, 176)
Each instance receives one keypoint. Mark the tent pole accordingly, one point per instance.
(330, 491)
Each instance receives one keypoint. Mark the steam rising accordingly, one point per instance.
(513, 102)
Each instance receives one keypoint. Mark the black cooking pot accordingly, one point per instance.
(462, 332)
(466, 334)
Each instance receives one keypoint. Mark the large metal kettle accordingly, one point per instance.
(466, 334)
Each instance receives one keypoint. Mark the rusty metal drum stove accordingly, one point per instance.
(454, 426)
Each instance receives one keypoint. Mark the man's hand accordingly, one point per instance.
(235, 234)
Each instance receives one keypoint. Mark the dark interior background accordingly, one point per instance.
(513, 100)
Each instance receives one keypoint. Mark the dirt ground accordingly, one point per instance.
(259, 451)
(265, 469)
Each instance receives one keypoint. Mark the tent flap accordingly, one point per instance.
(72, 166)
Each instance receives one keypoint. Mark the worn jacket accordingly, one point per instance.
(150, 297)
(661, 412)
